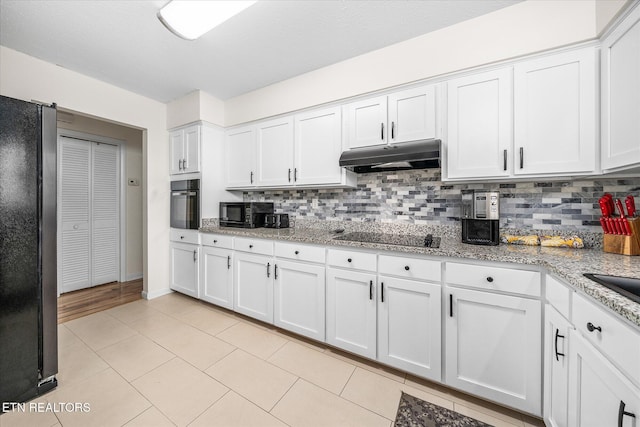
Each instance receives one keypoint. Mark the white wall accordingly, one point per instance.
(133, 197)
(523, 28)
(606, 11)
(28, 78)
(193, 107)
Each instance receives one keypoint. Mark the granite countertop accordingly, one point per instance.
(568, 264)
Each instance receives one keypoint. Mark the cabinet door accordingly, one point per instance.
(351, 311)
(275, 152)
(318, 145)
(300, 298)
(216, 278)
(240, 155)
(555, 113)
(479, 125)
(184, 268)
(493, 347)
(191, 157)
(412, 114)
(556, 368)
(176, 139)
(599, 395)
(367, 121)
(409, 326)
(621, 94)
(253, 286)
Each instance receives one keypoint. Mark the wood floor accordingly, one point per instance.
(83, 302)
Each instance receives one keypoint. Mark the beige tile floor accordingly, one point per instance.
(176, 361)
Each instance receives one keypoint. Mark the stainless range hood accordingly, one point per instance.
(409, 155)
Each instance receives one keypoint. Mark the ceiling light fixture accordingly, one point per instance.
(191, 19)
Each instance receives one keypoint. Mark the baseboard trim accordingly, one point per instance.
(133, 276)
(155, 294)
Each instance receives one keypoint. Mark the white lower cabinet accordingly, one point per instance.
(351, 311)
(493, 347)
(299, 298)
(184, 268)
(599, 395)
(556, 368)
(253, 285)
(216, 276)
(409, 326)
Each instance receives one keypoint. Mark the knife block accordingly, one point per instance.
(625, 245)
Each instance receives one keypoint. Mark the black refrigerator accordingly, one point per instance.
(28, 267)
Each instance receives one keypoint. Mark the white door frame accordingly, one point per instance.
(122, 215)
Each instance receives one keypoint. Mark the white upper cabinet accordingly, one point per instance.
(240, 154)
(366, 122)
(555, 114)
(185, 150)
(412, 114)
(275, 152)
(479, 128)
(411, 117)
(317, 147)
(621, 95)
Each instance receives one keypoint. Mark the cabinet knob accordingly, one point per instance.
(215, 241)
(250, 246)
(489, 279)
(181, 237)
(591, 327)
(297, 252)
(406, 267)
(348, 259)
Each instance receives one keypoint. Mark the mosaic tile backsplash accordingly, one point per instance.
(420, 197)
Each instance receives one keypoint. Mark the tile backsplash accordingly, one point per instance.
(420, 197)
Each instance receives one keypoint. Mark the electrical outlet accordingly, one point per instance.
(133, 182)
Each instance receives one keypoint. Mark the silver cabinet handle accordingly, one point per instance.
(228, 262)
(195, 256)
(505, 160)
(251, 178)
(382, 131)
(268, 270)
(393, 128)
(521, 157)
(295, 174)
(184, 164)
(180, 164)
(275, 271)
(289, 174)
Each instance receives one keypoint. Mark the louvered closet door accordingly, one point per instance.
(74, 191)
(105, 208)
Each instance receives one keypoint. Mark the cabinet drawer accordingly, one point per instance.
(351, 259)
(184, 236)
(300, 252)
(617, 341)
(559, 296)
(494, 278)
(216, 240)
(412, 268)
(256, 246)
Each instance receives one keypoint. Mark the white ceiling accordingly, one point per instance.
(123, 43)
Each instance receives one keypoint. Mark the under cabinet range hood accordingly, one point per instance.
(423, 154)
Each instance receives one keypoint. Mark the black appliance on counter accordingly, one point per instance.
(185, 204)
(481, 217)
(279, 220)
(244, 214)
(28, 263)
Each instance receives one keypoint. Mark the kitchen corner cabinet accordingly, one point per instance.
(240, 157)
(479, 125)
(621, 95)
(555, 113)
(409, 322)
(299, 289)
(556, 368)
(216, 270)
(184, 268)
(185, 150)
(403, 116)
(599, 395)
(253, 278)
(500, 357)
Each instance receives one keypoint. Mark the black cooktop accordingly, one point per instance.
(392, 239)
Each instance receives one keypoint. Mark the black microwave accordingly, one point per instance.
(244, 214)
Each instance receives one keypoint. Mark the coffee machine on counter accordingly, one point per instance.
(481, 217)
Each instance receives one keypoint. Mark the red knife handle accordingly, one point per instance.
(631, 205)
(603, 223)
(627, 227)
(609, 198)
(616, 225)
(620, 208)
(604, 206)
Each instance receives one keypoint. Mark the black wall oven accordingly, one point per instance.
(185, 204)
